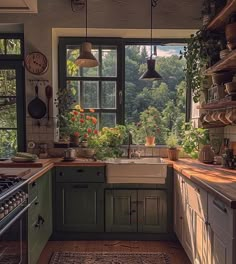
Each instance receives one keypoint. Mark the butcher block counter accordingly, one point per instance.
(219, 181)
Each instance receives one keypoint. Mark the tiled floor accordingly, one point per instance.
(173, 249)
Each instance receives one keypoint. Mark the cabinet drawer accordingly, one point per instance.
(80, 174)
(220, 216)
(196, 197)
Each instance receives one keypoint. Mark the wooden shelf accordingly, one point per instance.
(223, 16)
(226, 64)
(224, 103)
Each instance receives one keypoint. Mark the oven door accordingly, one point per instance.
(13, 237)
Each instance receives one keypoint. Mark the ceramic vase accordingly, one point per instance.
(74, 140)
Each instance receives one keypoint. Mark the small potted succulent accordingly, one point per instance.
(172, 143)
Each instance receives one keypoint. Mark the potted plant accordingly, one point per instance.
(108, 142)
(80, 127)
(196, 143)
(172, 151)
(149, 120)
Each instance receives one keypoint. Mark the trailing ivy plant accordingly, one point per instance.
(201, 52)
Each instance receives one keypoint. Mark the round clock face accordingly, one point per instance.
(36, 63)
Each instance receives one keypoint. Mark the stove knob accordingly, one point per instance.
(10, 205)
(17, 197)
(13, 199)
(2, 212)
(6, 208)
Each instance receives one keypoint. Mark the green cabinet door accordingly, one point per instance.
(121, 211)
(152, 211)
(79, 207)
(39, 217)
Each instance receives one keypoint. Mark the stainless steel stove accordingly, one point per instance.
(14, 204)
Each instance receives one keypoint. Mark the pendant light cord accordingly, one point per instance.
(153, 4)
(86, 20)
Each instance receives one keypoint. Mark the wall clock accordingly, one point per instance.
(36, 63)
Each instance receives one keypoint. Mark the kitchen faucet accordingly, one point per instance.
(129, 145)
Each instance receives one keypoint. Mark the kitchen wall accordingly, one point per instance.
(107, 18)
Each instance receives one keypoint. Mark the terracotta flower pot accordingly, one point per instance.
(173, 154)
(150, 141)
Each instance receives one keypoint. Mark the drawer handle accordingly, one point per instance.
(80, 186)
(220, 206)
(61, 173)
(132, 212)
(34, 184)
(197, 190)
(80, 170)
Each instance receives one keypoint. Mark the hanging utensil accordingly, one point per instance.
(37, 108)
(48, 92)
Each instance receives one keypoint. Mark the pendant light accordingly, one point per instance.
(151, 74)
(86, 58)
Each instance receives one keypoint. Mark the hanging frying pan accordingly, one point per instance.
(37, 108)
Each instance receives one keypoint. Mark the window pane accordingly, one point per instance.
(108, 95)
(8, 143)
(2, 46)
(109, 62)
(94, 71)
(72, 68)
(13, 46)
(90, 94)
(108, 120)
(8, 113)
(7, 82)
(72, 95)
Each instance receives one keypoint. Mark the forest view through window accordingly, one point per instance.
(167, 96)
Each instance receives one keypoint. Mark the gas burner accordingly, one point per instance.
(7, 183)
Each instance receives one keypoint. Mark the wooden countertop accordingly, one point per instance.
(218, 181)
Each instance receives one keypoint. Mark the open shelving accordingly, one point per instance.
(221, 19)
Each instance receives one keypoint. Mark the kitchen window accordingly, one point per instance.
(98, 88)
(113, 88)
(12, 123)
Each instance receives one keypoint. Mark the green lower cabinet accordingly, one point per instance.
(39, 217)
(136, 211)
(80, 207)
(152, 211)
(121, 211)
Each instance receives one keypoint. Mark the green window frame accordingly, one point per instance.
(65, 79)
(12, 61)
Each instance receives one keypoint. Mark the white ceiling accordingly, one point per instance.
(18, 6)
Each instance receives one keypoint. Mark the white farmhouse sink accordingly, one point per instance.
(145, 170)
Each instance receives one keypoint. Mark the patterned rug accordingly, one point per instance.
(109, 258)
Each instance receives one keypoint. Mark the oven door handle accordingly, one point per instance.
(16, 217)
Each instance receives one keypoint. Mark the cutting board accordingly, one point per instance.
(14, 172)
(36, 164)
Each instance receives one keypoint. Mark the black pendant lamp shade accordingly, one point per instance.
(151, 74)
(86, 58)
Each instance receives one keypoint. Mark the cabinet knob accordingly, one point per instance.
(61, 173)
(80, 170)
(34, 184)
